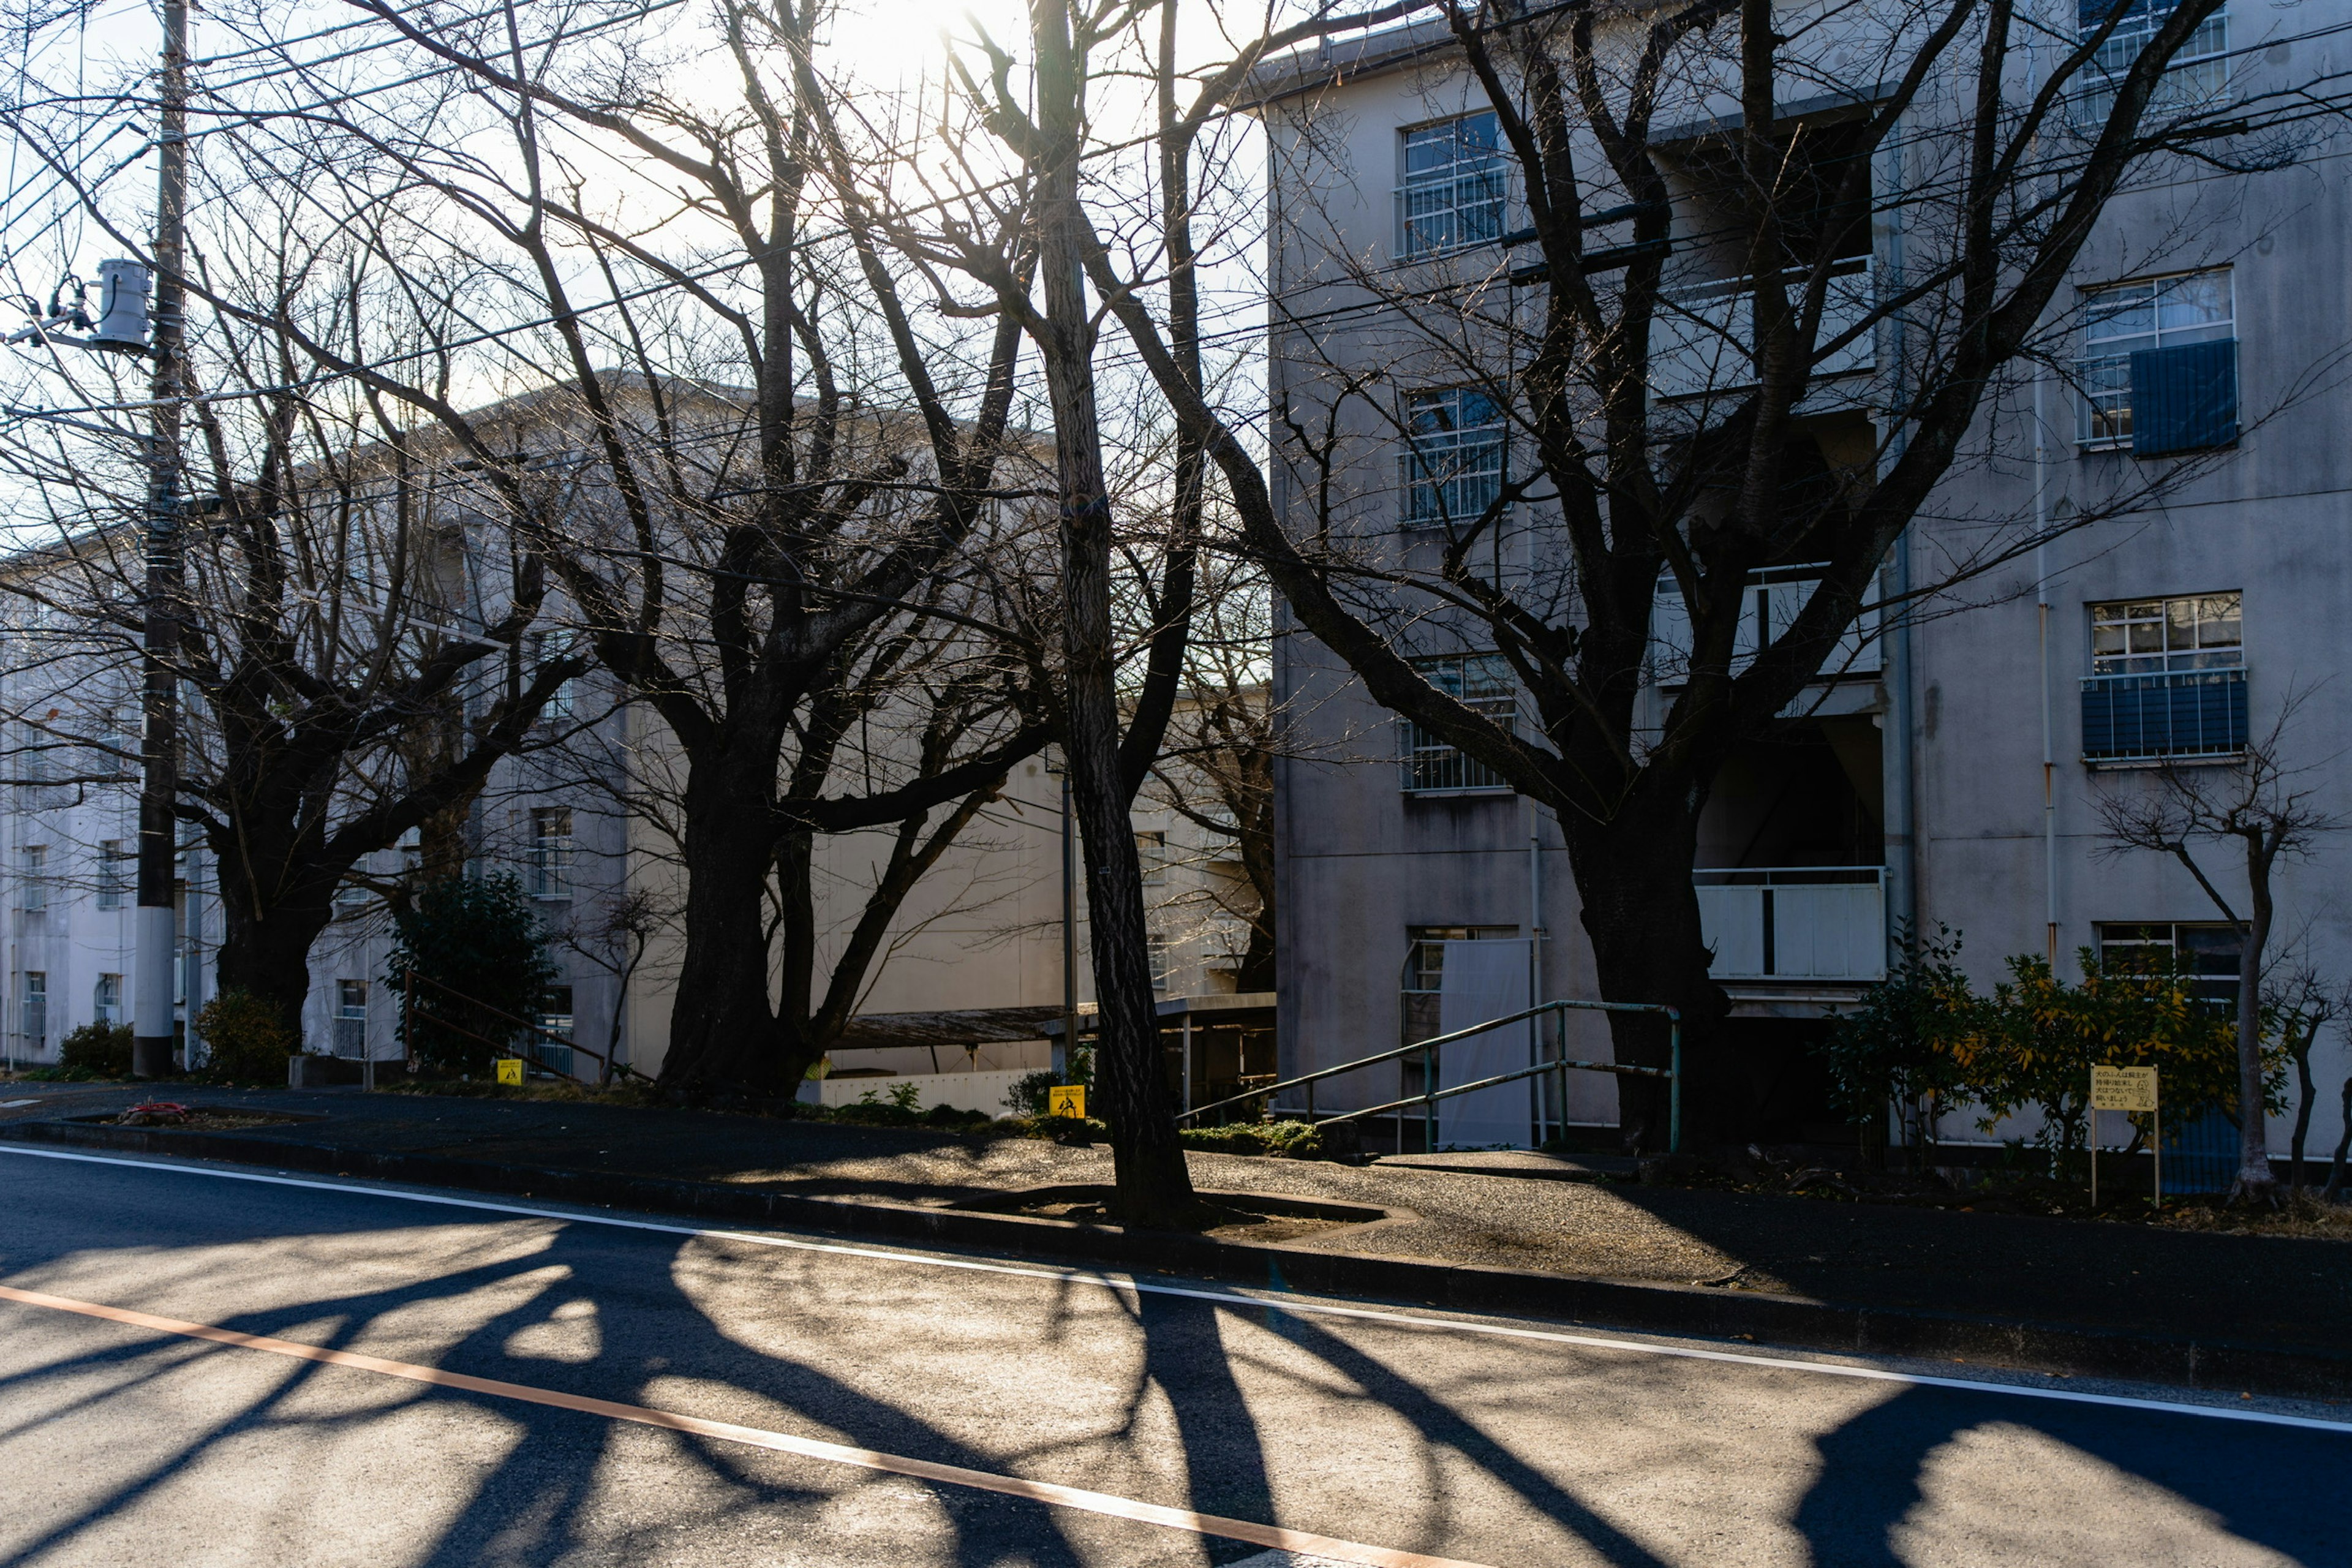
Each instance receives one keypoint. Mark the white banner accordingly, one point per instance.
(1482, 980)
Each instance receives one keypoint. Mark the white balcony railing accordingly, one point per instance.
(1794, 922)
(1703, 331)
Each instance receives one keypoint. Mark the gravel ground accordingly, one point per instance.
(2265, 1289)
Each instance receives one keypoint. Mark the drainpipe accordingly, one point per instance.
(2049, 729)
(1535, 961)
(1896, 762)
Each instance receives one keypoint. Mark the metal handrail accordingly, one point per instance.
(1427, 1049)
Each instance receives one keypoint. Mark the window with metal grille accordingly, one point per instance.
(550, 852)
(1151, 852)
(2198, 74)
(1454, 180)
(112, 881)
(350, 1018)
(1424, 979)
(1481, 682)
(36, 1019)
(2167, 679)
(545, 648)
(2205, 953)
(2159, 371)
(1452, 468)
(33, 886)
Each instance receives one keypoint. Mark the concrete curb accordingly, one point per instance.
(2073, 1349)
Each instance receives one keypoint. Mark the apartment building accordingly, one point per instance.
(1947, 768)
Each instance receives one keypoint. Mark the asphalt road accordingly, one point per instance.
(327, 1428)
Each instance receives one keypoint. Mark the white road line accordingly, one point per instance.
(1234, 1298)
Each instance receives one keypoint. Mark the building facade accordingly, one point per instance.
(1949, 769)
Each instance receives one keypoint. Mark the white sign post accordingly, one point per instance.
(2124, 1088)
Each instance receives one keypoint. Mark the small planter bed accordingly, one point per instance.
(172, 1115)
(1232, 1216)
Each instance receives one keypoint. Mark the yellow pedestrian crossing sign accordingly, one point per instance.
(509, 1069)
(1066, 1099)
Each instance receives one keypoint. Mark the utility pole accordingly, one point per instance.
(1069, 933)
(154, 930)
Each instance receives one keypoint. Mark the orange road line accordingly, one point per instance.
(1107, 1503)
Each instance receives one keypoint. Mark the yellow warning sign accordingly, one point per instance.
(509, 1069)
(1066, 1099)
(2122, 1089)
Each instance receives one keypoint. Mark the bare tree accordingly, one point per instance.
(338, 608)
(784, 472)
(2301, 1005)
(1670, 447)
(2258, 812)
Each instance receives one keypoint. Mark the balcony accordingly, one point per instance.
(1703, 331)
(1794, 922)
(2163, 716)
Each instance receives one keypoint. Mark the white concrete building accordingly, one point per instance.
(1946, 772)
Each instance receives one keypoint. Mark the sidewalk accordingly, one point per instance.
(2207, 1308)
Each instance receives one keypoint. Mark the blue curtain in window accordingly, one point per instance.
(2184, 399)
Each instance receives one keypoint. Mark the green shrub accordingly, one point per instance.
(481, 960)
(247, 1039)
(1282, 1140)
(101, 1050)
(1027, 1095)
(1903, 1046)
(2042, 1037)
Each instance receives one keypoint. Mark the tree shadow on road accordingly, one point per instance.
(533, 1506)
(1885, 1495)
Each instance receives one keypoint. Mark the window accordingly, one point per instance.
(545, 648)
(2198, 74)
(2167, 679)
(1483, 682)
(1452, 470)
(1454, 178)
(33, 743)
(2168, 348)
(1151, 852)
(112, 859)
(105, 999)
(351, 1017)
(555, 1016)
(550, 852)
(1425, 976)
(33, 886)
(2206, 950)
(1163, 958)
(37, 1007)
(2195, 631)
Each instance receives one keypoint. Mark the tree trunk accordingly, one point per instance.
(2343, 1147)
(722, 1031)
(266, 951)
(2256, 1183)
(1153, 1186)
(2306, 1088)
(1641, 911)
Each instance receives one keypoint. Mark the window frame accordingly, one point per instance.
(1442, 464)
(551, 854)
(34, 998)
(2199, 655)
(1491, 204)
(1418, 754)
(112, 884)
(2202, 76)
(2095, 426)
(2212, 988)
(33, 880)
